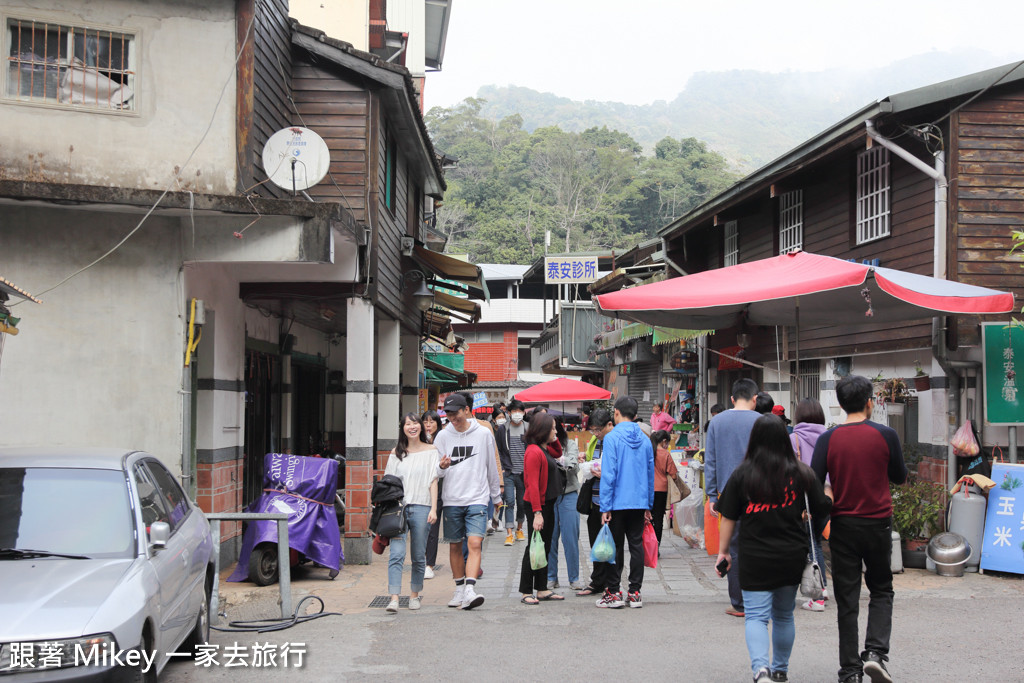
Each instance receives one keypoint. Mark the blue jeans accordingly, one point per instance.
(509, 498)
(416, 517)
(461, 521)
(760, 606)
(567, 526)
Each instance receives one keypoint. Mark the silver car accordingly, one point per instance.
(106, 566)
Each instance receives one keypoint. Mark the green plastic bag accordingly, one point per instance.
(538, 556)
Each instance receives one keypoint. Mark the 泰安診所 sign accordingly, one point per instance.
(1003, 344)
(566, 270)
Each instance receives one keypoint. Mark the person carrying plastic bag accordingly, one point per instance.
(543, 486)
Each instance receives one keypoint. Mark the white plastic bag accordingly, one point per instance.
(690, 515)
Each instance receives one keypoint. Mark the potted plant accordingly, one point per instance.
(918, 508)
(892, 390)
(922, 382)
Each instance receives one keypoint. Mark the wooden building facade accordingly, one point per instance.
(852, 193)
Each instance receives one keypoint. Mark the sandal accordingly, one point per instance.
(589, 590)
(529, 600)
(550, 596)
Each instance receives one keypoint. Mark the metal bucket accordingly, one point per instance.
(950, 552)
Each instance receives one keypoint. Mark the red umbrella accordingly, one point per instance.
(563, 389)
(785, 289)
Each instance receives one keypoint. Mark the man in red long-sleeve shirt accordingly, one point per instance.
(860, 458)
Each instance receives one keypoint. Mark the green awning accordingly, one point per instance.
(668, 335)
(635, 331)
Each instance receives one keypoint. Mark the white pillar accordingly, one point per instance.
(388, 388)
(359, 436)
(410, 373)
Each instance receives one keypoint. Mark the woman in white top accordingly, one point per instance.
(414, 461)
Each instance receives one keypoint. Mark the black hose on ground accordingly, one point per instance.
(267, 625)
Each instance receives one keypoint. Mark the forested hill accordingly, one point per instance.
(750, 117)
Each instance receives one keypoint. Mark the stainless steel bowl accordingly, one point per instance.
(949, 551)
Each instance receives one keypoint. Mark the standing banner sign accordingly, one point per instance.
(1004, 389)
(1003, 547)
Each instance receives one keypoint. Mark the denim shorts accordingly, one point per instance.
(462, 521)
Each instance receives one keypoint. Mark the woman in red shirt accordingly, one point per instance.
(540, 475)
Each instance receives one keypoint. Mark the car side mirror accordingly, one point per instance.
(159, 532)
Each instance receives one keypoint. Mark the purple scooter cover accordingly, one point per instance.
(304, 488)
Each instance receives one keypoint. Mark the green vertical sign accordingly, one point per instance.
(1004, 390)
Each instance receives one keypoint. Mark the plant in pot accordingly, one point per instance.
(918, 508)
(922, 382)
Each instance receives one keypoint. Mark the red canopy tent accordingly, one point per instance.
(563, 389)
(784, 289)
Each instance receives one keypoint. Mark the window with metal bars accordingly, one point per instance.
(808, 381)
(791, 221)
(732, 244)
(872, 194)
(70, 65)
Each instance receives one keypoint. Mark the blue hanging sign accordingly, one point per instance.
(1003, 547)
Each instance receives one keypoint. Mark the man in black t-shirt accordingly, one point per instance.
(860, 458)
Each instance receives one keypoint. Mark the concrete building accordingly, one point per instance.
(191, 308)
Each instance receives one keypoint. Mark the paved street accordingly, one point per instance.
(945, 629)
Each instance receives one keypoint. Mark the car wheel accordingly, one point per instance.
(263, 564)
(200, 635)
(137, 676)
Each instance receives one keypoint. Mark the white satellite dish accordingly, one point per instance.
(296, 158)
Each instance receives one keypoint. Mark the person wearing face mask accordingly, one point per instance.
(512, 451)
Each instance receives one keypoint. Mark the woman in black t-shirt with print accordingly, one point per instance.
(766, 494)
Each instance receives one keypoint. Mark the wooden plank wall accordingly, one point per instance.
(271, 110)
(335, 105)
(987, 197)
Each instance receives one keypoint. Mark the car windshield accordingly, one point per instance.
(67, 511)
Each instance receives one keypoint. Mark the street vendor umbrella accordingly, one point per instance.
(563, 389)
(783, 290)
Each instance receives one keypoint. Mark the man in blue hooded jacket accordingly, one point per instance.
(627, 495)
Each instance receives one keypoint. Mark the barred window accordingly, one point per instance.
(791, 221)
(872, 194)
(732, 243)
(70, 65)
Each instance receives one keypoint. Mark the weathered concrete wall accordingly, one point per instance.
(185, 53)
(98, 363)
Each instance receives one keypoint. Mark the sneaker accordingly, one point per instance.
(520, 536)
(553, 584)
(490, 531)
(813, 605)
(780, 676)
(510, 539)
(824, 594)
(577, 585)
(456, 600)
(611, 600)
(428, 572)
(853, 678)
(763, 675)
(470, 599)
(633, 598)
(414, 603)
(392, 607)
(874, 667)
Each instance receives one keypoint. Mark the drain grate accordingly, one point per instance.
(381, 601)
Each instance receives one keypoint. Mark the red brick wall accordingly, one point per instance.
(495, 361)
(219, 489)
(358, 481)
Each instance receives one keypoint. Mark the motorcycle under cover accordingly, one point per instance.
(296, 481)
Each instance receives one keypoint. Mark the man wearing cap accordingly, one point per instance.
(470, 471)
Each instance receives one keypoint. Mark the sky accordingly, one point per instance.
(640, 51)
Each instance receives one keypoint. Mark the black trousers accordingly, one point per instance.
(599, 575)
(530, 579)
(855, 540)
(520, 485)
(658, 513)
(627, 527)
(435, 530)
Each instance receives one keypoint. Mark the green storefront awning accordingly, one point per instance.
(668, 335)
